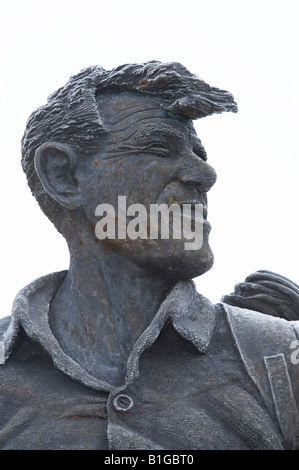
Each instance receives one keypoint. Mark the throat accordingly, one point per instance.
(98, 319)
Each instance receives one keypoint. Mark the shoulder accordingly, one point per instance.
(252, 326)
(4, 324)
(263, 314)
(27, 306)
(259, 337)
(265, 345)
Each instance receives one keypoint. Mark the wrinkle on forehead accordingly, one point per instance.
(129, 114)
(118, 110)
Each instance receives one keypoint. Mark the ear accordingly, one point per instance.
(55, 164)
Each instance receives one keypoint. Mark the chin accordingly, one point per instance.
(174, 262)
(165, 258)
(192, 264)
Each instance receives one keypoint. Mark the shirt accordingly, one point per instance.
(192, 381)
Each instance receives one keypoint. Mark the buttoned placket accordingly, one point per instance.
(122, 399)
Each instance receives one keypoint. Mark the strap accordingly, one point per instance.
(283, 396)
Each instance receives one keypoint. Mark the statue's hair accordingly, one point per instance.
(71, 113)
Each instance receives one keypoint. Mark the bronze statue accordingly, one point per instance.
(120, 351)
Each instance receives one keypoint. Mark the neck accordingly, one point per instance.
(102, 308)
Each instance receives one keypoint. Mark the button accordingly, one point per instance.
(123, 402)
(279, 383)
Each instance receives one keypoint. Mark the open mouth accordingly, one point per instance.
(194, 204)
(193, 200)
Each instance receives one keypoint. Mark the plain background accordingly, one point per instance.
(249, 47)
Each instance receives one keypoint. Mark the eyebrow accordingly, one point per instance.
(149, 129)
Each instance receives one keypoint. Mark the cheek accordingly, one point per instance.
(141, 179)
(146, 181)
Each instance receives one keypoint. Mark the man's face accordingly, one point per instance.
(151, 157)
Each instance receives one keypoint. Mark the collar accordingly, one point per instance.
(192, 315)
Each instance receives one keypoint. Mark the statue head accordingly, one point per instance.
(125, 132)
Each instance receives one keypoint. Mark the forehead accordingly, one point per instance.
(127, 114)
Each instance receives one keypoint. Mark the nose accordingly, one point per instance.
(197, 172)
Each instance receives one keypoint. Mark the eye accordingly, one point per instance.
(159, 147)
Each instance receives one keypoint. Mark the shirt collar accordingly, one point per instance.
(192, 315)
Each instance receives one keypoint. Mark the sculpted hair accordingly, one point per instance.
(71, 113)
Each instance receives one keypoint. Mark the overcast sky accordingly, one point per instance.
(249, 47)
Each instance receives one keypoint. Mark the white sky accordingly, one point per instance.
(249, 47)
